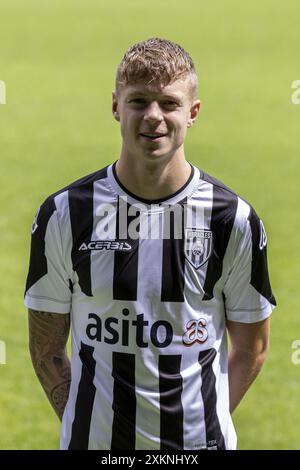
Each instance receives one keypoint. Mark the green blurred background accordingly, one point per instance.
(58, 60)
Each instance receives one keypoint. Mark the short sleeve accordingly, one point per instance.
(48, 286)
(247, 290)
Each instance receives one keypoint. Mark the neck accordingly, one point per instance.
(153, 179)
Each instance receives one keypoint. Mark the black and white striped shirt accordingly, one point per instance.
(149, 285)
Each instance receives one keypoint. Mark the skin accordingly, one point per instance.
(154, 169)
(248, 349)
(151, 169)
(48, 335)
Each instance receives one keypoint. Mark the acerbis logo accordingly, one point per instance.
(109, 245)
(196, 332)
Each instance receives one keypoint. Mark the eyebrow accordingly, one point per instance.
(164, 96)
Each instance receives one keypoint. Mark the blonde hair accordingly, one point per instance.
(156, 60)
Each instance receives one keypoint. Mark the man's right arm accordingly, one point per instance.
(48, 335)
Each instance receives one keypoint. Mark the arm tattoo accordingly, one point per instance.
(60, 395)
(48, 335)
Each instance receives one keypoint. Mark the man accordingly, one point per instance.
(151, 261)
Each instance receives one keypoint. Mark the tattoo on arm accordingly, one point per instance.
(48, 335)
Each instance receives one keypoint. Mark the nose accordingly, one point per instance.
(153, 112)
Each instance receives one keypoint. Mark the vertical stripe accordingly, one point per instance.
(84, 401)
(124, 402)
(82, 217)
(173, 256)
(171, 410)
(147, 401)
(38, 261)
(214, 436)
(194, 436)
(259, 267)
(126, 263)
(222, 218)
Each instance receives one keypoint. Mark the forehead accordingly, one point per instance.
(178, 89)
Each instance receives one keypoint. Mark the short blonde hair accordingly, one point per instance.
(156, 60)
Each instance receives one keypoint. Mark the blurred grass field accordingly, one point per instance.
(58, 60)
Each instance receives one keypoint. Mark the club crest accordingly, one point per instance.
(198, 246)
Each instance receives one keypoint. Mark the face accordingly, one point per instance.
(154, 119)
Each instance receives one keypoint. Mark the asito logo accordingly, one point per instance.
(114, 330)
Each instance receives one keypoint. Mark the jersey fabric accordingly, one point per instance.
(149, 342)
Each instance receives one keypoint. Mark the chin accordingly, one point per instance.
(156, 155)
(156, 158)
(157, 152)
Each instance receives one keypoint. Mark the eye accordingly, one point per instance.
(138, 101)
(170, 104)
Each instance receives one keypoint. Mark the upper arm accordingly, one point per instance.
(49, 280)
(251, 338)
(48, 332)
(247, 289)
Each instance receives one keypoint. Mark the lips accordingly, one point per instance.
(152, 135)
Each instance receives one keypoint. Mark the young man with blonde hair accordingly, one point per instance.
(152, 262)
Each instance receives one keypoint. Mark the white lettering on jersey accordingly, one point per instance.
(35, 225)
(263, 237)
(105, 245)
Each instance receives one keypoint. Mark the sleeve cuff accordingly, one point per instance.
(44, 304)
(250, 316)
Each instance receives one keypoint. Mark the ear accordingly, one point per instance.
(194, 111)
(115, 106)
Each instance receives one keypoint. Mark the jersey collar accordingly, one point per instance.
(185, 191)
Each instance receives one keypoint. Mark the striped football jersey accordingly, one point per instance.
(149, 286)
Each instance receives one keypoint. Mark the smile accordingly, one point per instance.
(153, 136)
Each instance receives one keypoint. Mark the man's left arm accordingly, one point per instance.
(248, 349)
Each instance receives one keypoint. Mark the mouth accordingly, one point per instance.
(152, 136)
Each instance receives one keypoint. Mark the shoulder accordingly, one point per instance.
(80, 188)
(227, 205)
(79, 185)
(222, 194)
(231, 209)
